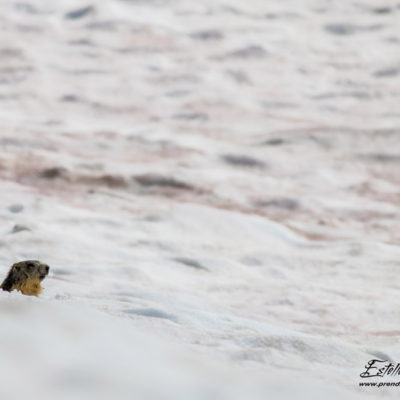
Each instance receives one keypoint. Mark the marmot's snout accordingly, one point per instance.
(44, 271)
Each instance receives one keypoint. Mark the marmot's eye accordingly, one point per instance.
(30, 266)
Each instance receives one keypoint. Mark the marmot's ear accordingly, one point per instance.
(8, 282)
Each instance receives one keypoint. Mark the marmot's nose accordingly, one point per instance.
(47, 269)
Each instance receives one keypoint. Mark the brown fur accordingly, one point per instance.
(26, 276)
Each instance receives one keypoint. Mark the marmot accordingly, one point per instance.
(26, 276)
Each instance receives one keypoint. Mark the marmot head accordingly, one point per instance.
(26, 276)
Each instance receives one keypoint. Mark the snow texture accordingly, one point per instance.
(215, 186)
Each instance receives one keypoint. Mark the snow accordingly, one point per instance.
(215, 187)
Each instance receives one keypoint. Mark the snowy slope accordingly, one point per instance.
(215, 186)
